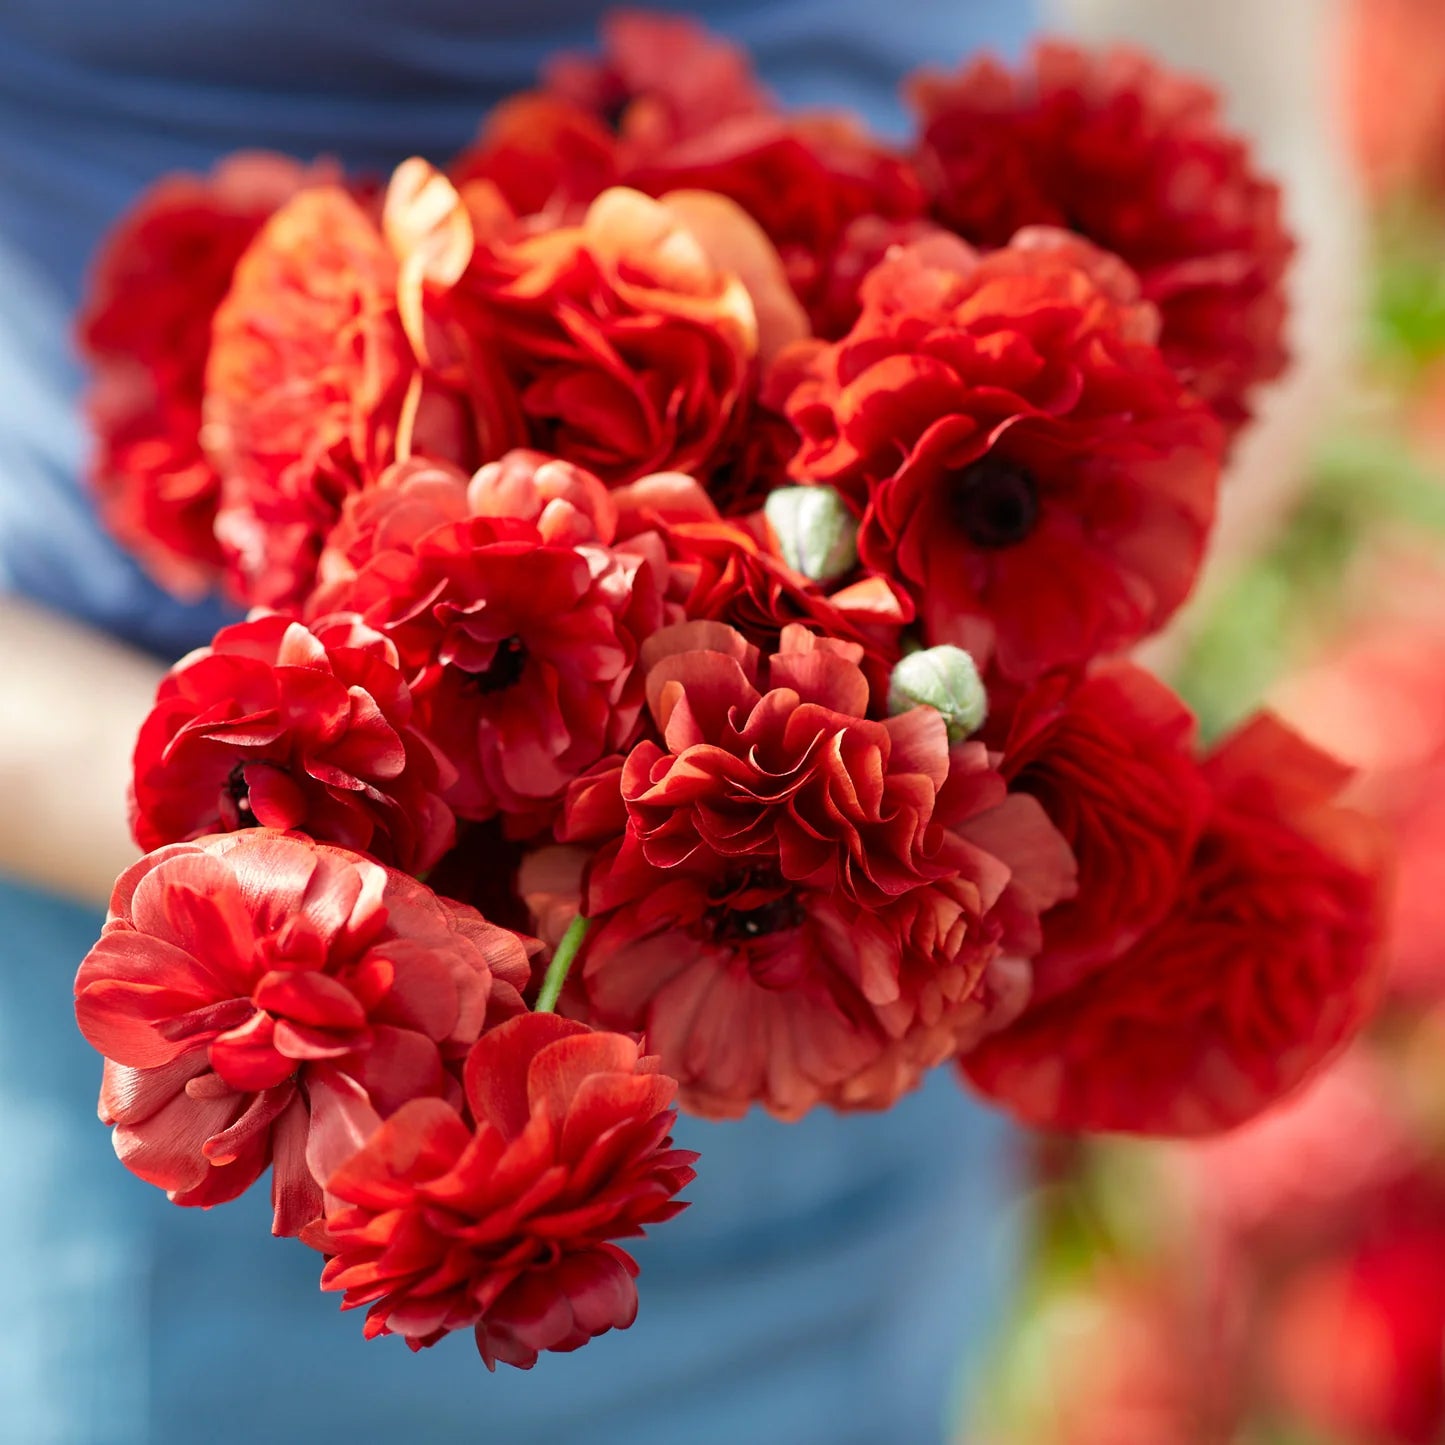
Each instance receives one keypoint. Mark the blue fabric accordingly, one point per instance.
(834, 1277)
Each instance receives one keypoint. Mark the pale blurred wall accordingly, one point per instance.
(1277, 64)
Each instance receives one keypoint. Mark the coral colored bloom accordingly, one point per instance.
(507, 1227)
(286, 726)
(1023, 459)
(632, 349)
(146, 329)
(1266, 966)
(1134, 158)
(259, 998)
(797, 903)
(333, 357)
(1111, 761)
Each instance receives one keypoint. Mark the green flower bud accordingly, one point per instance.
(817, 534)
(944, 678)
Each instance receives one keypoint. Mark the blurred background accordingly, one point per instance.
(1285, 1285)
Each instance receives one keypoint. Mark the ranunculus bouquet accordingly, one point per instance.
(693, 551)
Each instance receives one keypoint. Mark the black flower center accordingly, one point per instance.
(753, 904)
(237, 792)
(508, 663)
(994, 501)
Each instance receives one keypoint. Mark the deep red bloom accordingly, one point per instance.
(286, 726)
(146, 329)
(1023, 459)
(660, 79)
(1133, 157)
(1111, 761)
(1267, 964)
(518, 648)
(332, 358)
(259, 997)
(508, 1227)
(799, 904)
(631, 338)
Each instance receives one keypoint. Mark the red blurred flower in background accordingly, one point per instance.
(259, 998)
(1134, 158)
(1266, 965)
(146, 330)
(1110, 758)
(507, 1227)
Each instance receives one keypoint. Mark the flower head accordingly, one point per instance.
(507, 1226)
(1023, 459)
(798, 903)
(286, 726)
(259, 997)
(1133, 158)
(1264, 968)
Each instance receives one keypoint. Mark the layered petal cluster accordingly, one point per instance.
(284, 726)
(797, 903)
(631, 337)
(1135, 158)
(331, 359)
(146, 330)
(728, 570)
(259, 998)
(1265, 966)
(516, 626)
(506, 1225)
(1111, 760)
(1023, 458)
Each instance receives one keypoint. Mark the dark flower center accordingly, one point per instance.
(237, 792)
(994, 501)
(508, 664)
(745, 910)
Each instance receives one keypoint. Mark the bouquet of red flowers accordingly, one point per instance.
(692, 551)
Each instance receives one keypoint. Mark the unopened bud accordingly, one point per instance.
(817, 534)
(944, 678)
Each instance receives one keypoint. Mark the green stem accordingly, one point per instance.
(561, 964)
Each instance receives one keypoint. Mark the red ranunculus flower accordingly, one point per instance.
(259, 997)
(286, 726)
(1111, 759)
(332, 358)
(799, 904)
(1266, 966)
(660, 79)
(632, 348)
(1134, 158)
(1023, 459)
(519, 651)
(146, 329)
(507, 1227)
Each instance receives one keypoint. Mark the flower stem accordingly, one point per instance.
(561, 964)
